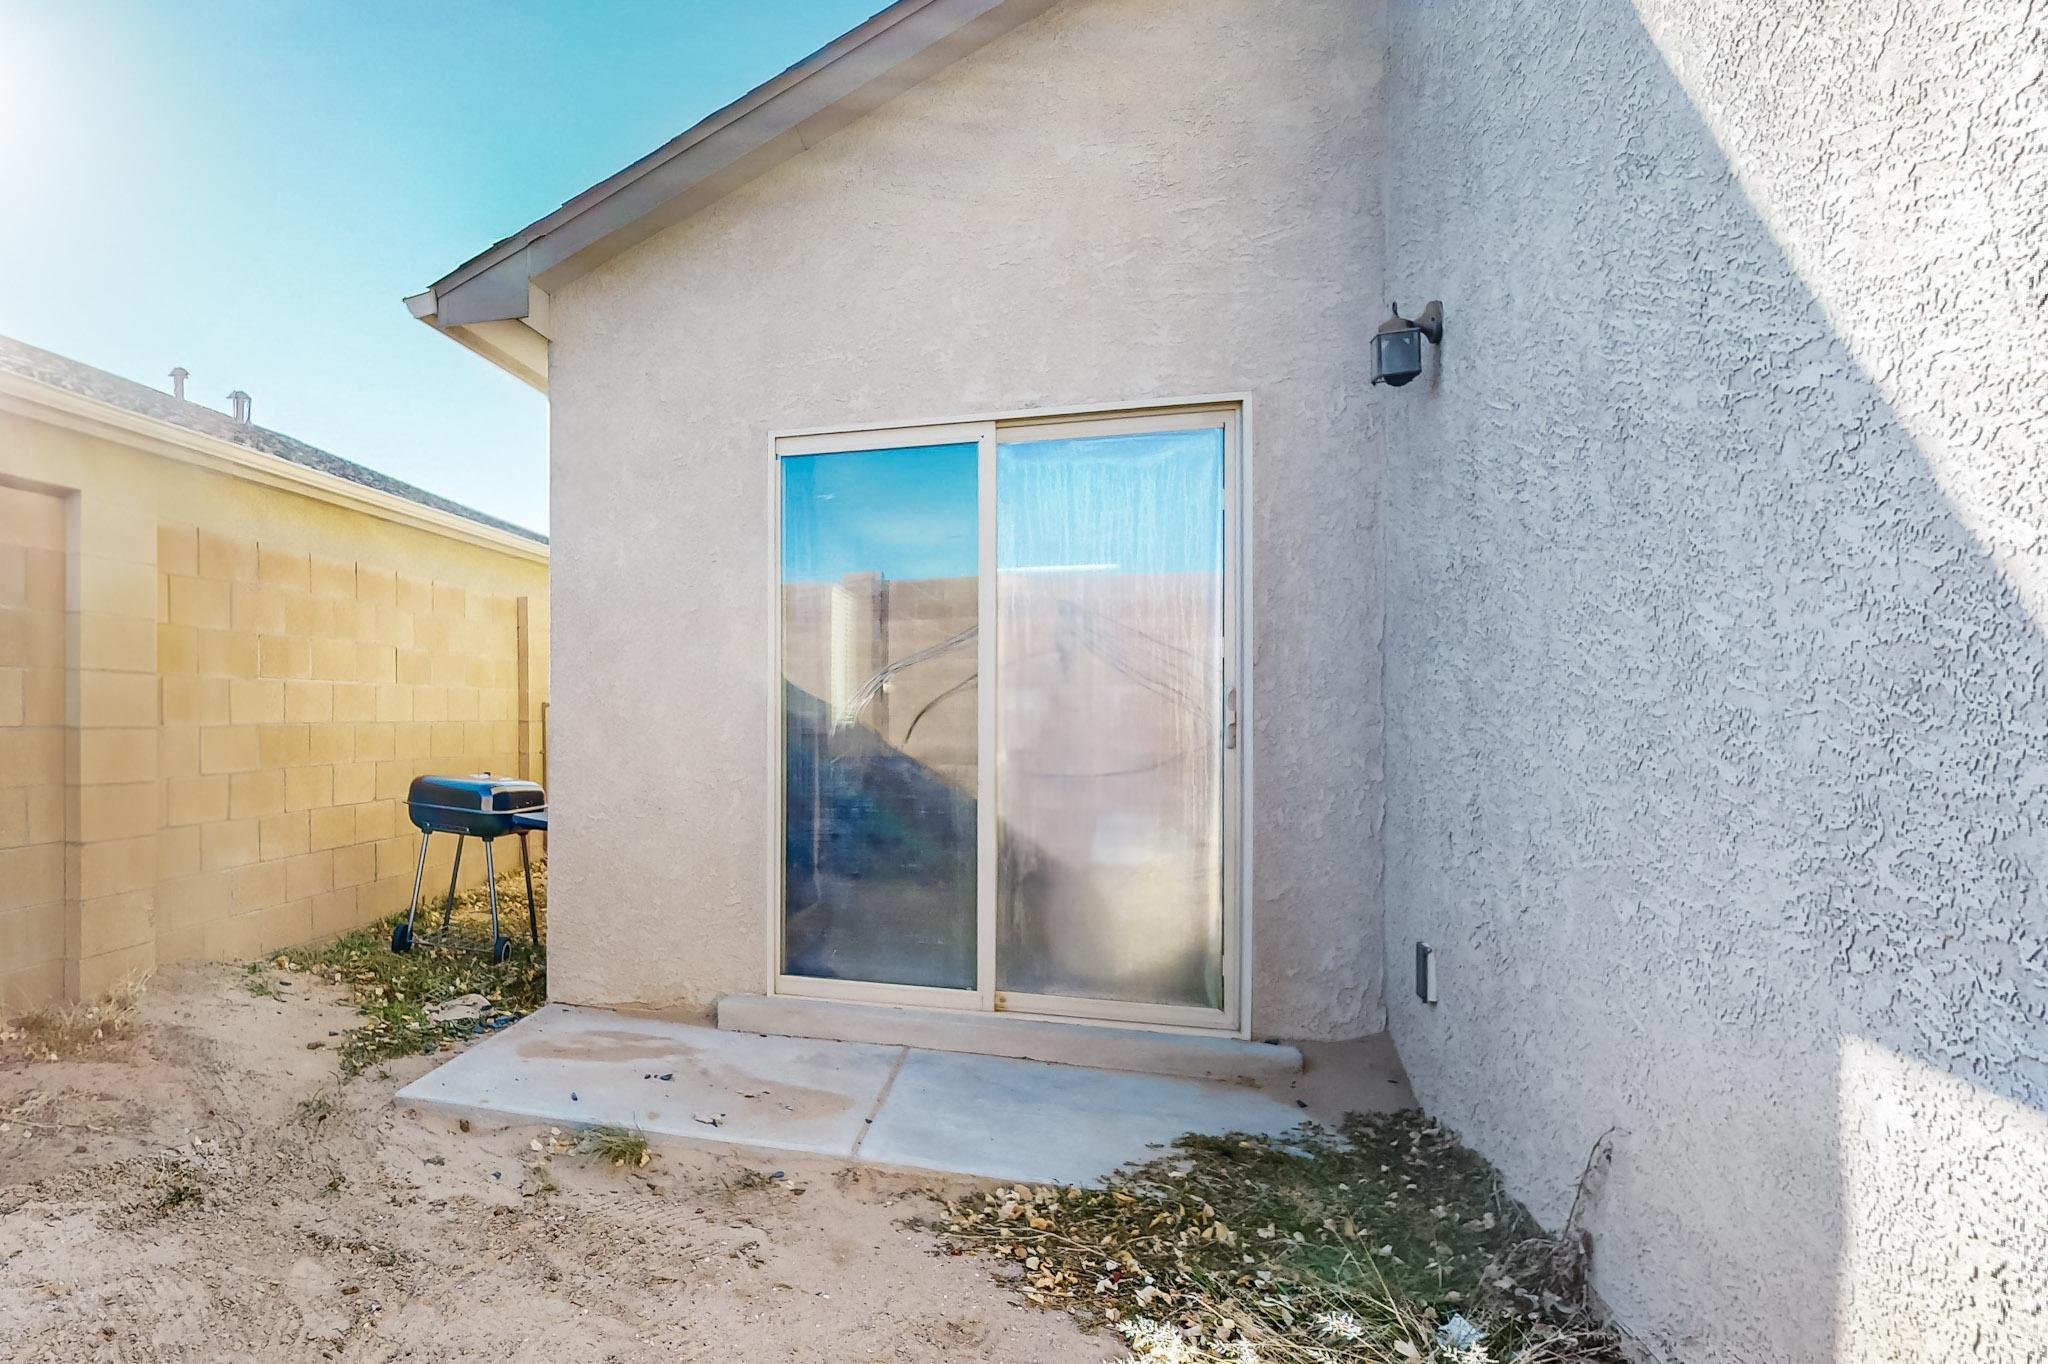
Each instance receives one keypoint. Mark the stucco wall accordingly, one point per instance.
(1717, 688)
(1123, 200)
(235, 687)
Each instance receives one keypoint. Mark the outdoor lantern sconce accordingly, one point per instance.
(1397, 345)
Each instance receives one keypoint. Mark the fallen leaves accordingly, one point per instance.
(441, 992)
(1356, 1246)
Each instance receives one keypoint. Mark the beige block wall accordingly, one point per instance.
(301, 693)
(31, 747)
(222, 710)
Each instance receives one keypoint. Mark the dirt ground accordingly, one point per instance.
(209, 1189)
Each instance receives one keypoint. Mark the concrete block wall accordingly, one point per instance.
(32, 731)
(300, 695)
(110, 789)
(214, 691)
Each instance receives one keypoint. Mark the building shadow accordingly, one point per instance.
(1716, 684)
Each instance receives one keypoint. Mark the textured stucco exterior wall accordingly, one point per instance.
(1717, 689)
(1122, 200)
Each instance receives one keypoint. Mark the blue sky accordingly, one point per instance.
(906, 513)
(248, 189)
(1150, 502)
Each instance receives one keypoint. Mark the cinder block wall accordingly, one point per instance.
(301, 694)
(214, 690)
(31, 745)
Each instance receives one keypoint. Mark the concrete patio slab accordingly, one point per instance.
(1050, 1124)
(931, 1110)
(587, 1066)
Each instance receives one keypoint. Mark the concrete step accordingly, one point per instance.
(1144, 1051)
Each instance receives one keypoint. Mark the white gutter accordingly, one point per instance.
(60, 406)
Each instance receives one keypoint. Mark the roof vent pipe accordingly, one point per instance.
(242, 404)
(178, 377)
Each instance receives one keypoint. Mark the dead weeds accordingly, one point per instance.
(615, 1144)
(1384, 1242)
(400, 993)
(60, 1032)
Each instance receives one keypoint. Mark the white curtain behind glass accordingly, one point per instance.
(1109, 684)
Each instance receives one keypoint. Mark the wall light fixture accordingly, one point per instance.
(1397, 345)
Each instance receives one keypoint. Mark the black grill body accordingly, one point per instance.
(480, 806)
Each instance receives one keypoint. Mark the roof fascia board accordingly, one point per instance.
(62, 407)
(854, 75)
(496, 295)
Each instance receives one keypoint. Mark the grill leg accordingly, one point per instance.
(532, 915)
(448, 905)
(401, 934)
(491, 880)
(419, 870)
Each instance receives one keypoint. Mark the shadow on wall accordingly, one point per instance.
(1717, 685)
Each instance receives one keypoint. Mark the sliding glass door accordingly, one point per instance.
(1008, 730)
(881, 759)
(1109, 712)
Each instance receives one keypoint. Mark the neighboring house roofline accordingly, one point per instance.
(47, 387)
(496, 303)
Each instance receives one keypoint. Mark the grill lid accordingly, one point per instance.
(480, 792)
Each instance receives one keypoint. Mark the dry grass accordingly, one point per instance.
(1383, 1243)
(471, 921)
(63, 1031)
(615, 1145)
(394, 991)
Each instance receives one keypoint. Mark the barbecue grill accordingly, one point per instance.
(485, 807)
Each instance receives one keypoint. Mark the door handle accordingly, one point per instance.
(1230, 718)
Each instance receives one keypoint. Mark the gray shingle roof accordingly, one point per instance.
(32, 362)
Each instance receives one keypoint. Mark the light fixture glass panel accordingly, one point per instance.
(1109, 702)
(880, 605)
(1400, 354)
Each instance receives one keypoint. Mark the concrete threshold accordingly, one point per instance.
(1001, 1117)
(1145, 1051)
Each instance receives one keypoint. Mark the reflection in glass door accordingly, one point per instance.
(880, 566)
(1110, 726)
(1008, 743)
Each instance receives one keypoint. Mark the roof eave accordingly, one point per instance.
(848, 78)
(60, 406)
(518, 345)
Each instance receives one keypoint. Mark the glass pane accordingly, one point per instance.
(1109, 703)
(879, 605)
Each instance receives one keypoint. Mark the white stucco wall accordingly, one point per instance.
(1717, 688)
(1121, 200)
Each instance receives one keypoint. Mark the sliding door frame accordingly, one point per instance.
(1233, 415)
(981, 998)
